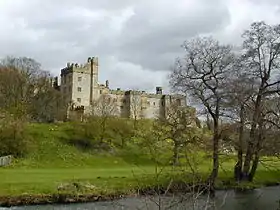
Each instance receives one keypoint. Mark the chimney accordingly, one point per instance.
(56, 81)
(89, 59)
(107, 83)
(159, 90)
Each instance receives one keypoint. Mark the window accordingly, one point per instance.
(79, 79)
(178, 101)
(154, 103)
(69, 88)
(79, 100)
(100, 91)
(79, 89)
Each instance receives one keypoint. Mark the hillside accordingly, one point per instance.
(51, 161)
(49, 148)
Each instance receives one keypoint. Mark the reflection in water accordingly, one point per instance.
(261, 199)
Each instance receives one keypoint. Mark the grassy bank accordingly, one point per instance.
(61, 185)
(55, 171)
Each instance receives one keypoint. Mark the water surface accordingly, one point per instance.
(260, 199)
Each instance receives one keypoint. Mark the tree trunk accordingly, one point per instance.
(238, 165)
(103, 129)
(175, 153)
(254, 167)
(251, 143)
(215, 159)
(257, 153)
(135, 122)
(248, 157)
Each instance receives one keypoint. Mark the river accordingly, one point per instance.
(260, 199)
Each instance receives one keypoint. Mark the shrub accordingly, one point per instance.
(13, 137)
(100, 133)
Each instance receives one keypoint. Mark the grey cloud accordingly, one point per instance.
(151, 49)
(141, 42)
(265, 1)
(136, 41)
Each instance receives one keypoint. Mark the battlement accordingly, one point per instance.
(117, 92)
(157, 95)
(77, 67)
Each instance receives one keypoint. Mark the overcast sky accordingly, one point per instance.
(136, 41)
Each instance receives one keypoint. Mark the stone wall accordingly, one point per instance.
(5, 160)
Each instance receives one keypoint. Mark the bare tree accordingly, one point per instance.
(202, 74)
(262, 59)
(25, 86)
(135, 106)
(47, 103)
(178, 126)
(29, 68)
(238, 107)
(104, 108)
(271, 145)
(15, 91)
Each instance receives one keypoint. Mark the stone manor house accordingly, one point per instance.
(82, 91)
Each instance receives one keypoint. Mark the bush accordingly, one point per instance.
(13, 137)
(85, 136)
(100, 133)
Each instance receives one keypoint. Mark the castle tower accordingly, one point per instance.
(79, 82)
(94, 90)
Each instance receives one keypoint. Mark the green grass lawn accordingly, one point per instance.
(45, 181)
(37, 181)
(53, 162)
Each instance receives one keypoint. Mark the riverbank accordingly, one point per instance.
(113, 188)
(261, 198)
(29, 200)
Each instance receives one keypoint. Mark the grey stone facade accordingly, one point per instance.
(5, 160)
(81, 90)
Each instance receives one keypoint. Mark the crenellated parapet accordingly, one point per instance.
(135, 92)
(66, 70)
(77, 67)
(117, 92)
(157, 95)
(93, 60)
